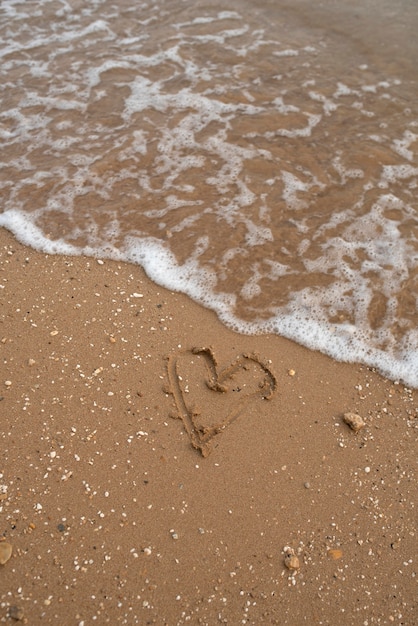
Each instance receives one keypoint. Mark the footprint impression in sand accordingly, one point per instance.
(208, 397)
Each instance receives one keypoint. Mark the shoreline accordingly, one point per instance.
(114, 515)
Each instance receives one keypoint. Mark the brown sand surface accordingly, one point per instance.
(117, 513)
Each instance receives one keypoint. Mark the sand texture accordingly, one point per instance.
(158, 468)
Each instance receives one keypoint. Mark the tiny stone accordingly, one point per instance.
(335, 554)
(16, 613)
(354, 421)
(6, 550)
(307, 485)
(31, 362)
(291, 372)
(7, 383)
(291, 561)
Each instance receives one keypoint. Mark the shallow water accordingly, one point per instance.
(260, 157)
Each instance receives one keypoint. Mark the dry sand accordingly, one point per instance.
(114, 514)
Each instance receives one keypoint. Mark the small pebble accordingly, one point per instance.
(16, 613)
(291, 372)
(6, 550)
(8, 383)
(290, 559)
(354, 421)
(335, 554)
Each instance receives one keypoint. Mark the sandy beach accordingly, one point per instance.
(158, 468)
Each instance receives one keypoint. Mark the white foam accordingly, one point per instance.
(329, 106)
(289, 52)
(292, 186)
(29, 234)
(284, 108)
(306, 131)
(393, 173)
(401, 146)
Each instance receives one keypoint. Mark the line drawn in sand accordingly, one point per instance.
(226, 391)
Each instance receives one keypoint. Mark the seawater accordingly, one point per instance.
(260, 157)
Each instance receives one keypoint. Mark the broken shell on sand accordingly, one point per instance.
(354, 421)
(6, 550)
(290, 559)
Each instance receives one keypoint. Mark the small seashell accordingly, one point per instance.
(290, 559)
(354, 421)
(6, 550)
(335, 554)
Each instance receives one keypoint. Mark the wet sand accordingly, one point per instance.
(156, 467)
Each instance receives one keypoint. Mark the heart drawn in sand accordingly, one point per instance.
(209, 398)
